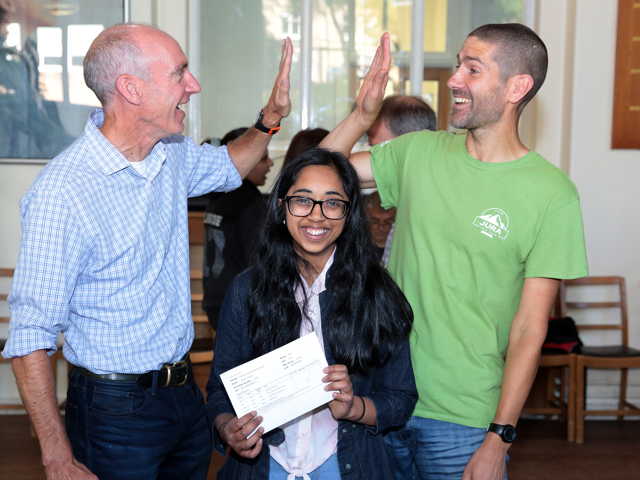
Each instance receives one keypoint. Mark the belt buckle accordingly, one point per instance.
(169, 367)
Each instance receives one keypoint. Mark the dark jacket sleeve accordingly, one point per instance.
(232, 348)
(394, 390)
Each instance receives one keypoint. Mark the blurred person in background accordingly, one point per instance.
(302, 141)
(30, 126)
(231, 224)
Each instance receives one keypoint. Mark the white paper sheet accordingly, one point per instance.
(280, 385)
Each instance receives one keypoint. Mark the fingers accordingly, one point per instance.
(237, 431)
(339, 382)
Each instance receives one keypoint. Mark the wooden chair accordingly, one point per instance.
(557, 367)
(202, 348)
(6, 273)
(619, 357)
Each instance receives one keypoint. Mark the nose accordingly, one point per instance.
(193, 86)
(270, 162)
(316, 213)
(455, 80)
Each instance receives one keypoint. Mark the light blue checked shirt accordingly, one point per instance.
(104, 256)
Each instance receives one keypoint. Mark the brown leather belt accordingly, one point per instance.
(170, 375)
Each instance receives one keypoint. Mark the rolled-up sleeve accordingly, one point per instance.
(52, 253)
(208, 168)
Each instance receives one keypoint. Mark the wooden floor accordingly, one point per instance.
(611, 451)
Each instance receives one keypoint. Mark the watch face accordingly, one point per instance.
(509, 434)
(259, 117)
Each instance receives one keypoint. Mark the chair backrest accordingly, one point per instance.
(620, 304)
(4, 273)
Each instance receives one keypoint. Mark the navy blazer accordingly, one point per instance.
(362, 451)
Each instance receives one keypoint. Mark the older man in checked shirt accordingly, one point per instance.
(104, 258)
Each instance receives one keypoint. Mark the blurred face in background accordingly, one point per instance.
(258, 176)
(380, 223)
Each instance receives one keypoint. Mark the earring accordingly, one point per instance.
(284, 222)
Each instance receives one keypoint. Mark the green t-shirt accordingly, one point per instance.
(467, 234)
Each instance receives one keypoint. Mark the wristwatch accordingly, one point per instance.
(507, 432)
(260, 126)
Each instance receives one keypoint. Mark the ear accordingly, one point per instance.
(8, 5)
(519, 86)
(130, 88)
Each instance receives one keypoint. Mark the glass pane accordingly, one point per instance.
(240, 52)
(496, 11)
(374, 17)
(44, 102)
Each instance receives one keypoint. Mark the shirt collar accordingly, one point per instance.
(110, 160)
(319, 285)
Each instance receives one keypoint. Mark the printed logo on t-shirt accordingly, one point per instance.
(212, 219)
(493, 223)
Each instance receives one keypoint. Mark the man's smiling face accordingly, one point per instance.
(171, 84)
(476, 86)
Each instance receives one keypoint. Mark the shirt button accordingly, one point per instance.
(348, 466)
(304, 432)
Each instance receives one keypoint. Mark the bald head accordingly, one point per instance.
(118, 50)
(401, 114)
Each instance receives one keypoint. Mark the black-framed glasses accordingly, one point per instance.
(332, 208)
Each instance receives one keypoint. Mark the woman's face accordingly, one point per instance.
(314, 236)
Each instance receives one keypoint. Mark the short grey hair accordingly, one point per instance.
(113, 53)
(403, 114)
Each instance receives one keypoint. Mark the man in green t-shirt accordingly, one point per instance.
(485, 228)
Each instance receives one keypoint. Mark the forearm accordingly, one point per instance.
(37, 389)
(347, 133)
(526, 336)
(520, 370)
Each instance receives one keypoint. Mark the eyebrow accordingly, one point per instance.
(330, 192)
(180, 68)
(470, 58)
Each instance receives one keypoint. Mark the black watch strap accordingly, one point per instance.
(263, 128)
(506, 432)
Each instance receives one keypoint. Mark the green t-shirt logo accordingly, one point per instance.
(493, 222)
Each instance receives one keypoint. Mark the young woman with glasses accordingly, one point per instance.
(316, 269)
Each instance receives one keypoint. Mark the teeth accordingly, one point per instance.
(462, 100)
(314, 232)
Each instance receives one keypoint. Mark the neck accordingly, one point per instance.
(127, 137)
(496, 143)
(313, 266)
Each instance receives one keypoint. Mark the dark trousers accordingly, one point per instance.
(121, 431)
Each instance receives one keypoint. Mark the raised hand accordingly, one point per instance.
(372, 91)
(235, 432)
(279, 104)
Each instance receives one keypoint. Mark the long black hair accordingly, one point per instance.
(369, 314)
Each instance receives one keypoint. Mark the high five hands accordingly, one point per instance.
(372, 91)
(279, 104)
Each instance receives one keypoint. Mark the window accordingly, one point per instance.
(44, 102)
(240, 51)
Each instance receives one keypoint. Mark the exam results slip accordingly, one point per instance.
(280, 385)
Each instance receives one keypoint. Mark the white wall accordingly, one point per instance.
(607, 179)
(573, 120)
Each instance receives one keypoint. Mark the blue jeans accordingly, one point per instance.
(122, 431)
(327, 471)
(427, 449)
